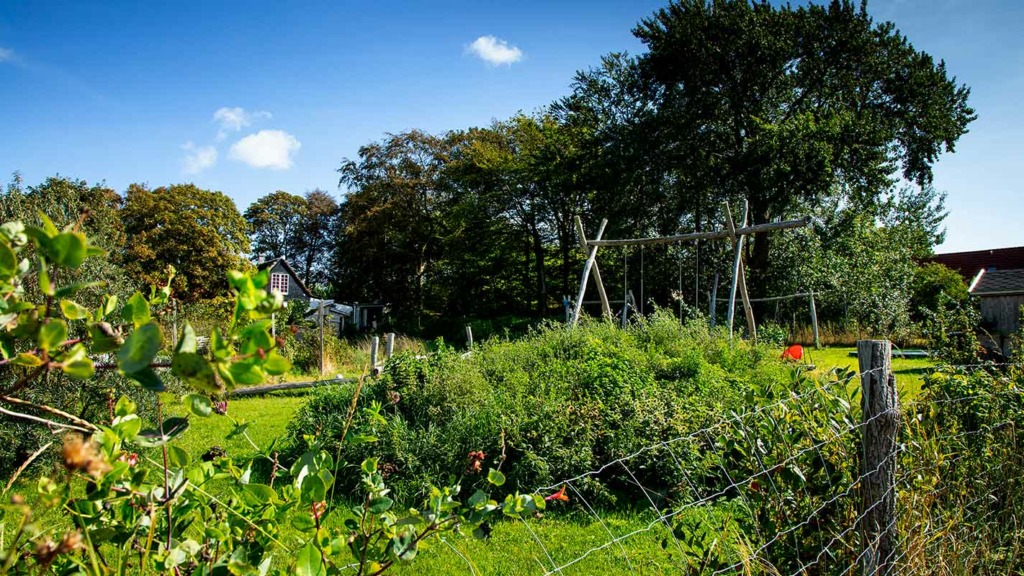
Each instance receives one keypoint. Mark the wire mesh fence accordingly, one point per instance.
(783, 487)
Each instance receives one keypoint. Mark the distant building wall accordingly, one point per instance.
(1000, 316)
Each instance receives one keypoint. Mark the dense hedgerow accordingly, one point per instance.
(553, 405)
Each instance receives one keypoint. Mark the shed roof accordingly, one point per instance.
(271, 263)
(998, 282)
(968, 263)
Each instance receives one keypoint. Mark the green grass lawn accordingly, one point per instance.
(909, 372)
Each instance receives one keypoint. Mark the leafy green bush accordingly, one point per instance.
(553, 405)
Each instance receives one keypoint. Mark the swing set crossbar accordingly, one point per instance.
(713, 235)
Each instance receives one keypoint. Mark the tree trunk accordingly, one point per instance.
(758, 257)
(538, 255)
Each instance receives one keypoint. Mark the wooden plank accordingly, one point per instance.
(586, 275)
(713, 235)
(748, 310)
(606, 307)
(814, 322)
(256, 390)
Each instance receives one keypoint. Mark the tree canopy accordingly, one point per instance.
(198, 232)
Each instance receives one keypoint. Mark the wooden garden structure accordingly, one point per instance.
(736, 235)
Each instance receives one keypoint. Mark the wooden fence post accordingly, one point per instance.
(469, 337)
(389, 345)
(881, 415)
(322, 360)
(374, 346)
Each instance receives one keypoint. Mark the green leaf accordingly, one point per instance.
(73, 310)
(380, 505)
(74, 288)
(103, 338)
(177, 457)
(275, 364)
(136, 310)
(239, 429)
(140, 348)
(304, 523)
(308, 561)
(148, 379)
(369, 465)
(124, 406)
(52, 334)
(246, 372)
(79, 369)
(195, 370)
(109, 304)
(26, 359)
(127, 426)
(173, 427)
(187, 343)
(198, 404)
(495, 477)
(48, 226)
(260, 493)
(8, 261)
(68, 249)
(313, 489)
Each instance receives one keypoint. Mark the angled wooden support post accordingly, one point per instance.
(814, 322)
(606, 308)
(591, 260)
(739, 275)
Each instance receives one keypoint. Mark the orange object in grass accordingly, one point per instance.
(794, 353)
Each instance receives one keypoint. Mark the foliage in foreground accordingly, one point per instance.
(160, 511)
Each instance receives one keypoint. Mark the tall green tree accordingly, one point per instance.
(786, 105)
(314, 240)
(391, 221)
(275, 225)
(199, 232)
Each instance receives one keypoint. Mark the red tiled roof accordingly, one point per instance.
(968, 264)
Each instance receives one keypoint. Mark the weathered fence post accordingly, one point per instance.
(469, 337)
(374, 346)
(881, 415)
(322, 360)
(389, 345)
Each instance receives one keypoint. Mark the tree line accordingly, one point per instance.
(813, 110)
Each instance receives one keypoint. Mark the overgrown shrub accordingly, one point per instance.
(553, 405)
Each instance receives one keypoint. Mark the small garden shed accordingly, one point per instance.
(284, 279)
(1000, 294)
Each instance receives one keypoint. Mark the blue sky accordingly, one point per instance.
(130, 92)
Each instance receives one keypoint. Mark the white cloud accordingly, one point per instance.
(266, 149)
(234, 119)
(198, 158)
(6, 54)
(494, 51)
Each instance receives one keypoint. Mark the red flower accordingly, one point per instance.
(476, 457)
(132, 459)
(560, 495)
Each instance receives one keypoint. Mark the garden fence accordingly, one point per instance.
(828, 478)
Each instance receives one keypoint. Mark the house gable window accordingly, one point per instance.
(279, 282)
